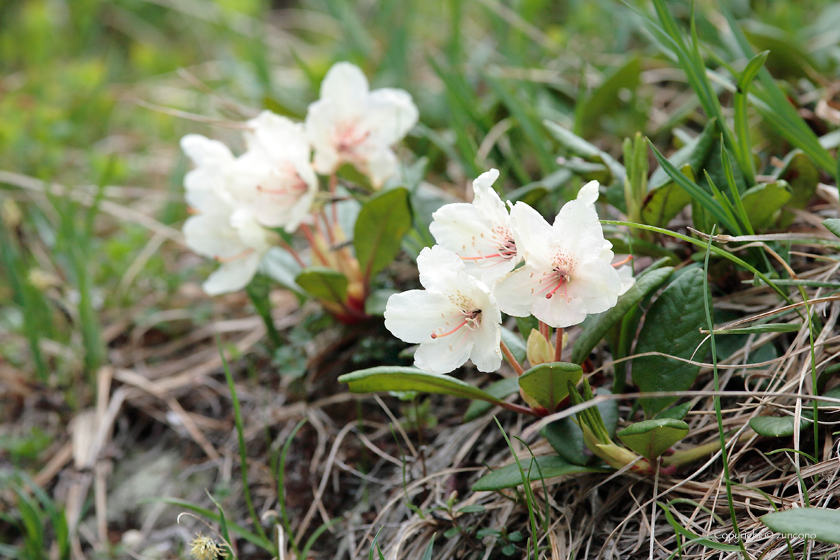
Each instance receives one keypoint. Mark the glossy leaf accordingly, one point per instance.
(379, 229)
(596, 327)
(833, 225)
(500, 389)
(822, 522)
(803, 176)
(672, 326)
(776, 426)
(548, 383)
(763, 203)
(509, 476)
(677, 412)
(393, 378)
(324, 283)
(651, 438)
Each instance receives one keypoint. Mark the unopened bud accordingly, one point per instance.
(539, 349)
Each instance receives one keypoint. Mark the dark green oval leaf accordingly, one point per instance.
(379, 229)
(833, 225)
(548, 384)
(672, 326)
(824, 523)
(677, 412)
(324, 283)
(651, 438)
(763, 203)
(597, 326)
(393, 378)
(775, 426)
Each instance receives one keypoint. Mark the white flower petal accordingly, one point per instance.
(344, 83)
(444, 354)
(390, 114)
(559, 312)
(534, 236)
(437, 266)
(588, 193)
(414, 315)
(517, 291)
(381, 165)
(597, 284)
(625, 275)
(486, 353)
(232, 276)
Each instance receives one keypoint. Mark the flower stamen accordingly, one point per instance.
(625, 261)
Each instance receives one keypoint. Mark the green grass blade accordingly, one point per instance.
(742, 128)
(693, 189)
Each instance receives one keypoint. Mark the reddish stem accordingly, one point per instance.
(513, 361)
(292, 252)
(558, 344)
(545, 330)
(333, 185)
(308, 233)
(328, 226)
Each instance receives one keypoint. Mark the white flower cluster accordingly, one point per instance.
(488, 260)
(274, 183)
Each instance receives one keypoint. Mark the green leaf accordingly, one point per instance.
(833, 225)
(742, 128)
(763, 203)
(379, 229)
(694, 154)
(324, 283)
(697, 193)
(596, 327)
(776, 426)
(393, 378)
(672, 326)
(605, 99)
(803, 176)
(663, 203)
(475, 508)
(548, 383)
(515, 344)
(500, 389)
(427, 554)
(677, 412)
(823, 523)
(509, 476)
(651, 438)
(566, 437)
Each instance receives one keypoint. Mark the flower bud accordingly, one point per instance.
(539, 349)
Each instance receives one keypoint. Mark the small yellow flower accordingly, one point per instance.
(204, 548)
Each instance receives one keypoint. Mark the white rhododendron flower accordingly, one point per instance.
(567, 273)
(274, 178)
(206, 183)
(233, 238)
(454, 319)
(480, 233)
(351, 124)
